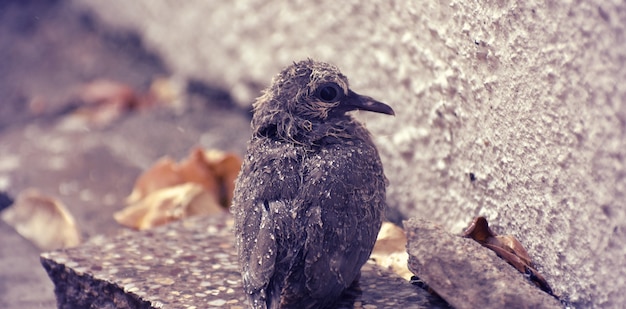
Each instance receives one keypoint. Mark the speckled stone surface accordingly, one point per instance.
(188, 264)
(466, 274)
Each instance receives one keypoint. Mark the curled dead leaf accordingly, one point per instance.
(43, 220)
(390, 250)
(479, 230)
(508, 248)
(102, 101)
(200, 184)
(167, 205)
(214, 170)
(226, 167)
(108, 92)
(164, 173)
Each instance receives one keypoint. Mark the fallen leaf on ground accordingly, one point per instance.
(508, 248)
(102, 101)
(203, 183)
(169, 204)
(390, 250)
(43, 220)
(226, 168)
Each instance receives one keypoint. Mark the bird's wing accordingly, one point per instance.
(265, 187)
(346, 192)
(258, 248)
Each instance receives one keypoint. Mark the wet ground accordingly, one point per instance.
(49, 52)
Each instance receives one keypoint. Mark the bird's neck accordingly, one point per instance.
(315, 133)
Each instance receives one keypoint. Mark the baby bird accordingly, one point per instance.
(310, 196)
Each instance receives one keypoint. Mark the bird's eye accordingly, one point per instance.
(329, 92)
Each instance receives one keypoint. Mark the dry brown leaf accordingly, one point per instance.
(167, 205)
(108, 92)
(161, 175)
(508, 248)
(215, 170)
(390, 250)
(103, 101)
(106, 100)
(225, 167)
(197, 169)
(170, 191)
(43, 220)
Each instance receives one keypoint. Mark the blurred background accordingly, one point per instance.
(85, 108)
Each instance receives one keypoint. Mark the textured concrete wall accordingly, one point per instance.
(515, 110)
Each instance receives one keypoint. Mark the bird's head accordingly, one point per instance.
(306, 95)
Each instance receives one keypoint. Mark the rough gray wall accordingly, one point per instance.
(527, 96)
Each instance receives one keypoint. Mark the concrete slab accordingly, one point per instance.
(187, 264)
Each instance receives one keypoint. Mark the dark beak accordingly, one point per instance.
(356, 101)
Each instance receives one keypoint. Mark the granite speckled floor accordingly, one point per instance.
(188, 264)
